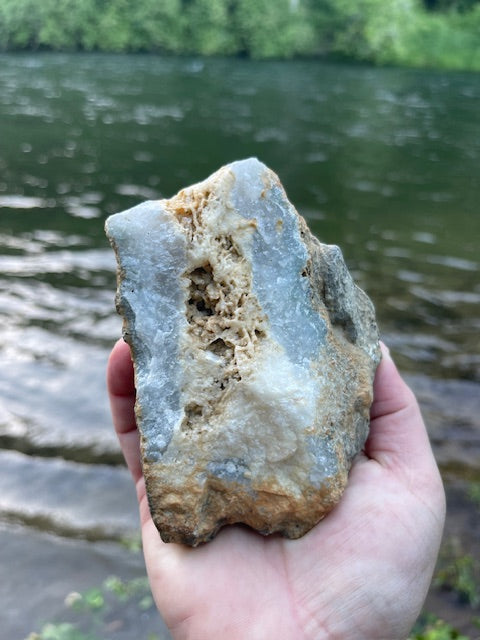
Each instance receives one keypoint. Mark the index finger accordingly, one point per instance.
(120, 371)
(121, 391)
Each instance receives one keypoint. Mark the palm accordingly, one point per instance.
(362, 572)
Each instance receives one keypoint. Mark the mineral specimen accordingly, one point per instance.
(254, 356)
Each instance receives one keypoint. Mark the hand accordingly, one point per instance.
(361, 574)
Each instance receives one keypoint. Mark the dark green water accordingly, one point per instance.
(383, 162)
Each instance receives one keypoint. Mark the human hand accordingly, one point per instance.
(362, 573)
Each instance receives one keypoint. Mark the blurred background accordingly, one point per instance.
(369, 112)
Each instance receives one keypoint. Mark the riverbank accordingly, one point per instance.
(380, 32)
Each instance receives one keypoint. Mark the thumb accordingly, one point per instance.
(398, 436)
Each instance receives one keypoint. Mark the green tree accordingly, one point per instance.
(371, 30)
(434, 33)
(387, 32)
(20, 22)
(208, 27)
(157, 26)
(66, 24)
(326, 20)
(448, 5)
(114, 28)
(439, 40)
(278, 29)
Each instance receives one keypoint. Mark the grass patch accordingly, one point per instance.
(100, 612)
(429, 627)
(460, 573)
(474, 493)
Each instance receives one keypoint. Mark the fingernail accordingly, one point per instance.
(385, 351)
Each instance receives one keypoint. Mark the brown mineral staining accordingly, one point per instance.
(254, 356)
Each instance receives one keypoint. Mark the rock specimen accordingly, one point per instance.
(254, 356)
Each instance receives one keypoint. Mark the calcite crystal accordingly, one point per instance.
(254, 356)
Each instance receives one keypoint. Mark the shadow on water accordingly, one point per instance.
(383, 162)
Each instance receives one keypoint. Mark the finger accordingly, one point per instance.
(121, 391)
(397, 432)
(390, 392)
(120, 371)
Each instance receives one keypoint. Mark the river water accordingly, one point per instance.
(382, 162)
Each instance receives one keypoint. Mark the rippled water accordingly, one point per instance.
(382, 162)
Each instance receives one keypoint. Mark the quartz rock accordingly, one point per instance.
(254, 356)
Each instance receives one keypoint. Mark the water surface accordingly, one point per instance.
(382, 162)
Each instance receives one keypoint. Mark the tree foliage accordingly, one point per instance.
(447, 5)
(439, 33)
(279, 29)
(208, 29)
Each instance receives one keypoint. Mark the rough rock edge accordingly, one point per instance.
(345, 320)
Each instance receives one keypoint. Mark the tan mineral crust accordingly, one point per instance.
(254, 356)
